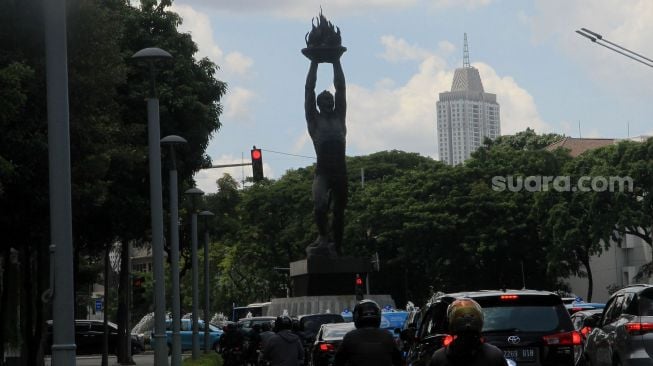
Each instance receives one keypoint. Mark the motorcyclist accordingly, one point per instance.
(465, 319)
(253, 344)
(266, 333)
(284, 348)
(368, 344)
(231, 344)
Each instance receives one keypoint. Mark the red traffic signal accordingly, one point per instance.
(256, 154)
(257, 164)
(138, 281)
(359, 288)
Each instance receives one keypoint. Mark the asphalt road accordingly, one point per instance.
(143, 359)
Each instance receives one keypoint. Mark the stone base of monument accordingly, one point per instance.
(318, 276)
(320, 284)
(335, 304)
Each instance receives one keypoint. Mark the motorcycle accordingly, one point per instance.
(233, 357)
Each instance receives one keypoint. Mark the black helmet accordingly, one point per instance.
(367, 314)
(465, 316)
(283, 322)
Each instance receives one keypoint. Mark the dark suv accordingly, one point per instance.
(308, 326)
(89, 337)
(623, 335)
(531, 327)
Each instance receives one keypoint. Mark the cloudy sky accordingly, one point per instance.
(402, 53)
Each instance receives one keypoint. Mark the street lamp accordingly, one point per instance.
(171, 141)
(600, 40)
(61, 231)
(206, 215)
(156, 204)
(194, 193)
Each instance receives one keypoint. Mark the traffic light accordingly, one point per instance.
(257, 164)
(138, 286)
(359, 288)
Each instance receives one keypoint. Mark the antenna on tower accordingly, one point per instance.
(465, 53)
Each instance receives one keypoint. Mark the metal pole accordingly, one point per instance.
(105, 316)
(156, 207)
(195, 338)
(63, 321)
(206, 287)
(174, 262)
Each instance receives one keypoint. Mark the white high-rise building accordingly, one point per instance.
(466, 115)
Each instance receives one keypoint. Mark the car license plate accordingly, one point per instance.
(520, 354)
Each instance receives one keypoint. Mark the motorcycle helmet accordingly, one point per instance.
(283, 322)
(367, 313)
(465, 316)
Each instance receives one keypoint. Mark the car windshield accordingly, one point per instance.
(520, 318)
(312, 323)
(337, 332)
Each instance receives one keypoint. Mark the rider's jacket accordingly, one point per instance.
(368, 346)
(483, 354)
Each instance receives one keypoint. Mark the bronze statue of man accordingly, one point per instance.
(328, 131)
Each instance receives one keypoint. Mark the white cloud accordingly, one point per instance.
(238, 63)
(206, 178)
(200, 28)
(518, 108)
(305, 9)
(300, 142)
(397, 49)
(446, 47)
(232, 64)
(390, 116)
(469, 4)
(236, 104)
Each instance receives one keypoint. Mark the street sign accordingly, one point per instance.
(98, 304)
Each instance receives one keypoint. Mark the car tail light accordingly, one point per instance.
(572, 338)
(585, 331)
(447, 340)
(326, 347)
(509, 297)
(639, 328)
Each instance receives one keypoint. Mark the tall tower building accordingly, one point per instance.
(466, 115)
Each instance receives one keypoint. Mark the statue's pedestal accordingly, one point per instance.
(321, 284)
(317, 276)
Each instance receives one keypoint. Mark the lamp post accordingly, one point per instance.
(206, 215)
(156, 204)
(194, 193)
(61, 232)
(171, 141)
(601, 41)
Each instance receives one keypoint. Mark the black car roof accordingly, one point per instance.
(492, 293)
(635, 287)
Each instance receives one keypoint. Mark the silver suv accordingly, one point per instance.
(623, 335)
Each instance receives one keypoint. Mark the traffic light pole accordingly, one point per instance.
(227, 165)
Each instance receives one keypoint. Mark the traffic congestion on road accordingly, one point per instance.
(530, 327)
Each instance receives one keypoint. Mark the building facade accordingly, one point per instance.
(466, 115)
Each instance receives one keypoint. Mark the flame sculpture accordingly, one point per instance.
(323, 42)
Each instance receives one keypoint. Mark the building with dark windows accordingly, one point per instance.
(466, 115)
